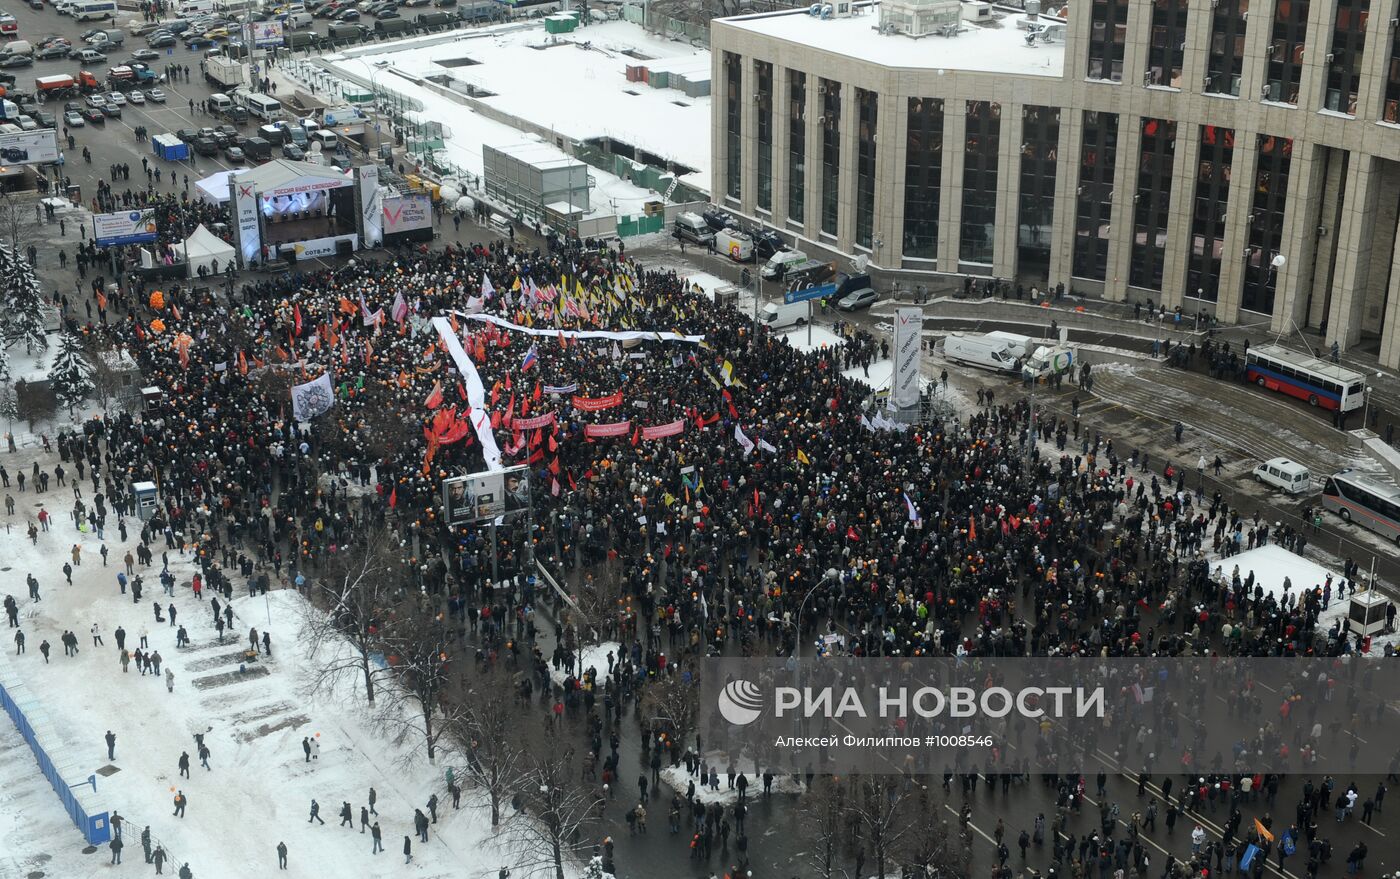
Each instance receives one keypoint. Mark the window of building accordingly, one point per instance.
(868, 106)
(923, 177)
(1108, 34)
(797, 146)
(1287, 43)
(763, 80)
(1094, 202)
(979, 202)
(733, 123)
(1225, 59)
(1208, 213)
(1152, 203)
(1391, 111)
(1266, 223)
(1347, 55)
(1040, 138)
(1167, 47)
(831, 152)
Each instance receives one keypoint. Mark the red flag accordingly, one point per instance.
(554, 487)
(242, 363)
(553, 446)
(512, 397)
(572, 485)
(296, 317)
(510, 411)
(537, 392)
(537, 457)
(852, 533)
(554, 466)
(434, 396)
(971, 529)
(394, 497)
(495, 393)
(496, 420)
(636, 436)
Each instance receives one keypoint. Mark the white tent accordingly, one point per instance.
(214, 188)
(204, 248)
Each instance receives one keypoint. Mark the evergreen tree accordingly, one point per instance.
(71, 375)
(4, 365)
(24, 302)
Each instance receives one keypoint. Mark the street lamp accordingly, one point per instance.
(1366, 410)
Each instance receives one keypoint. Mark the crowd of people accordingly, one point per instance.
(714, 485)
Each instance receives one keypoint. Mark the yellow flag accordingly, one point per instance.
(802, 457)
(1263, 831)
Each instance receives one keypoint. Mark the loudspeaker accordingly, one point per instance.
(344, 247)
(288, 252)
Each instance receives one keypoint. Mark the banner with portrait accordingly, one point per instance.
(492, 494)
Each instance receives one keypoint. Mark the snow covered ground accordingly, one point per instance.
(259, 788)
(594, 656)
(1271, 564)
(679, 780)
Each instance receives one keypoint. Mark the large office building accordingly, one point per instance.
(1241, 158)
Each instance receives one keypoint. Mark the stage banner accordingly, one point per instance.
(908, 345)
(661, 431)
(533, 423)
(617, 428)
(597, 404)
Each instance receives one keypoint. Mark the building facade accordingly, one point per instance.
(1241, 158)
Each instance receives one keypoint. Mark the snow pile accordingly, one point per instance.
(593, 656)
(253, 715)
(679, 780)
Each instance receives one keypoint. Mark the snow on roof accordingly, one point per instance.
(537, 154)
(977, 48)
(574, 84)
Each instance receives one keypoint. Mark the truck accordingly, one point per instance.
(55, 86)
(1021, 346)
(778, 263)
(1049, 361)
(976, 349)
(435, 19)
(225, 73)
(778, 315)
(346, 121)
(734, 244)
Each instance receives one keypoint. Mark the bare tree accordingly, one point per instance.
(109, 376)
(35, 402)
(350, 600)
(882, 807)
(823, 813)
(931, 849)
(491, 727)
(414, 712)
(557, 805)
(674, 701)
(18, 223)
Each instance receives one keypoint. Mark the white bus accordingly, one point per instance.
(262, 107)
(1322, 384)
(88, 10)
(1364, 501)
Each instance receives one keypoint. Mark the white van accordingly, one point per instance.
(1021, 345)
(735, 244)
(298, 20)
(978, 350)
(777, 315)
(326, 139)
(692, 227)
(220, 103)
(1285, 475)
(778, 263)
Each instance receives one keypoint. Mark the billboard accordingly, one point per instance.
(408, 212)
(491, 494)
(124, 227)
(29, 147)
(267, 33)
(908, 346)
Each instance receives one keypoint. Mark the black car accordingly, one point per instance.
(205, 146)
(44, 119)
(56, 50)
(112, 110)
(94, 116)
(719, 220)
(16, 61)
(187, 134)
(161, 41)
(765, 243)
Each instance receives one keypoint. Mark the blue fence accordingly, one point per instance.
(76, 787)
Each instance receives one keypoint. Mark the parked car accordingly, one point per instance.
(45, 119)
(719, 220)
(155, 95)
(56, 50)
(293, 152)
(234, 155)
(160, 41)
(854, 301)
(95, 101)
(145, 55)
(13, 60)
(89, 56)
(348, 15)
(117, 98)
(137, 97)
(94, 115)
(112, 110)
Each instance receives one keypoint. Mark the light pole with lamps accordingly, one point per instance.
(1366, 410)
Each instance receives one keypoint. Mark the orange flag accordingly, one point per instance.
(242, 363)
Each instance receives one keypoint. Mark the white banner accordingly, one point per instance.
(622, 335)
(313, 398)
(743, 440)
(908, 345)
(476, 393)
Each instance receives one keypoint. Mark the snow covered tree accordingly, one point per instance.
(24, 302)
(71, 375)
(9, 407)
(4, 366)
